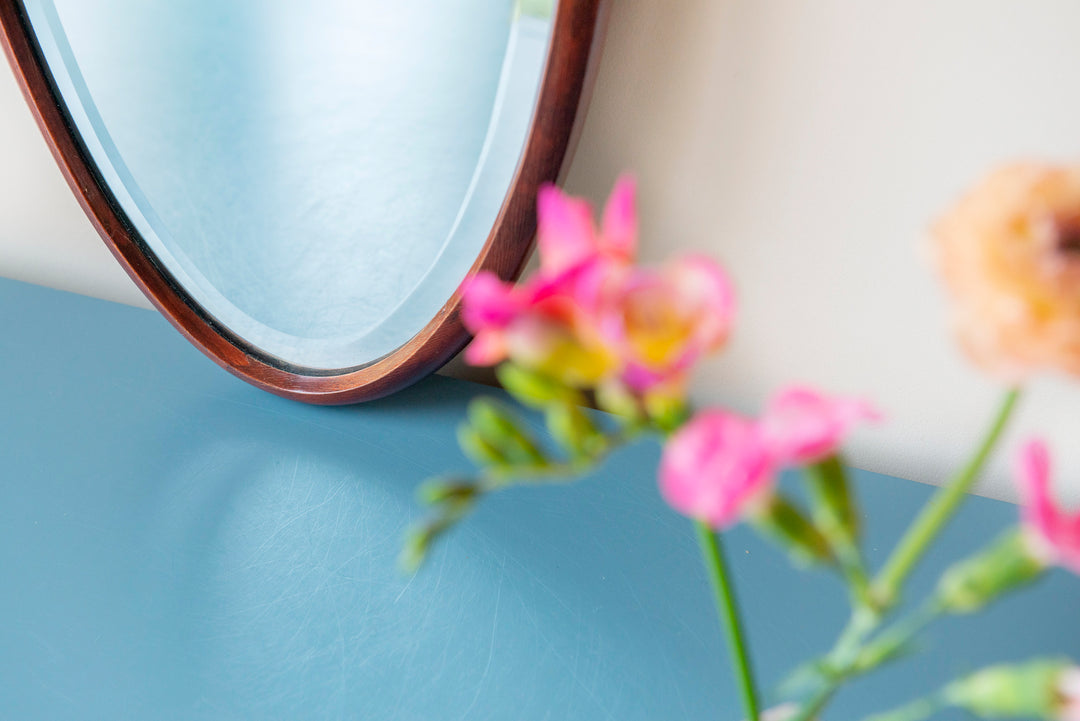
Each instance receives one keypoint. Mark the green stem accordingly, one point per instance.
(917, 710)
(835, 514)
(809, 710)
(713, 553)
(495, 479)
(893, 641)
(864, 621)
(938, 511)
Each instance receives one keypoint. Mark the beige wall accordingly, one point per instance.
(807, 145)
(44, 236)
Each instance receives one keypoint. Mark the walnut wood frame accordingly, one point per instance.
(567, 77)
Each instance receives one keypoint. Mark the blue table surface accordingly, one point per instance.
(175, 544)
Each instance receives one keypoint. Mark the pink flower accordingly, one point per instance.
(717, 469)
(567, 236)
(1053, 534)
(550, 322)
(589, 317)
(489, 306)
(541, 325)
(801, 426)
(662, 322)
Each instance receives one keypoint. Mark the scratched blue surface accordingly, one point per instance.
(175, 544)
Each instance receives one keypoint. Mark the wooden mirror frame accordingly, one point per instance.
(571, 59)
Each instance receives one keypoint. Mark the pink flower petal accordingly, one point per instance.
(566, 235)
(1055, 533)
(716, 468)
(1033, 476)
(488, 348)
(802, 426)
(665, 321)
(640, 378)
(620, 224)
(703, 285)
(487, 302)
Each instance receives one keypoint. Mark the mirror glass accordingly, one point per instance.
(318, 177)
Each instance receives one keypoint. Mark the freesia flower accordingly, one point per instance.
(802, 426)
(540, 325)
(550, 322)
(489, 307)
(1053, 534)
(1010, 254)
(716, 469)
(567, 236)
(663, 321)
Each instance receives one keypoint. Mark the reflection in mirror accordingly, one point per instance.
(318, 177)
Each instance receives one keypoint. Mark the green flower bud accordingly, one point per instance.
(1028, 690)
(971, 584)
(443, 490)
(501, 431)
(420, 539)
(668, 412)
(478, 449)
(534, 389)
(571, 427)
(617, 400)
(786, 525)
(833, 505)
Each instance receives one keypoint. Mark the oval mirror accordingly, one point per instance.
(301, 187)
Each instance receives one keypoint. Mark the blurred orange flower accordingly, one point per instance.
(1010, 253)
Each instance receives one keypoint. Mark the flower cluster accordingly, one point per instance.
(591, 318)
(721, 467)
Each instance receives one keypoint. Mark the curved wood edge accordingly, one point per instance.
(556, 122)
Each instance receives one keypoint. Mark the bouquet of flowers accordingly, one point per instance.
(592, 326)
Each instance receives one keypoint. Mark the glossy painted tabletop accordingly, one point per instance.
(175, 544)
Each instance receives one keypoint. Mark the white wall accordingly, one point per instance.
(807, 145)
(44, 236)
